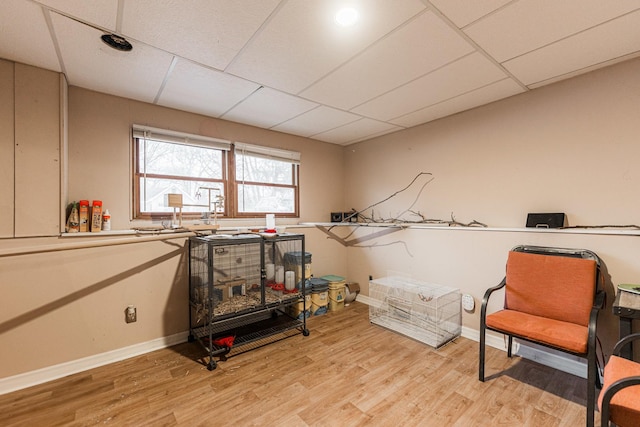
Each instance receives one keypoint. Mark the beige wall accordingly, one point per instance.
(37, 152)
(7, 107)
(69, 305)
(99, 153)
(59, 307)
(30, 150)
(570, 147)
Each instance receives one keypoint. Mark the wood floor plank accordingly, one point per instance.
(348, 372)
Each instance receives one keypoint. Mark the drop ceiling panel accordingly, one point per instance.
(302, 43)
(30, 44)
(89, 62)
(484, 95)
(422, 45)
(464, 12)
(614, 39)
(356, 131)
(102, 13)
(210, 32)
(192, 87)
(526, 25)
(258, 109)
(316, 121)
(286, 65)
(464, 75)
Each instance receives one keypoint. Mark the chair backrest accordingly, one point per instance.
(555, 284)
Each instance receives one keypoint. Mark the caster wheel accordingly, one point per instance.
(212, 365)
(191, 338)
(305, 332)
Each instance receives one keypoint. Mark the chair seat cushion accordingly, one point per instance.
(624, 409)
(564, 335)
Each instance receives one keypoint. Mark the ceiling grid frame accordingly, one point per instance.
(46, 43)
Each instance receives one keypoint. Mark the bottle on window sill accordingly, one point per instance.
(96, 216)
(106, 220)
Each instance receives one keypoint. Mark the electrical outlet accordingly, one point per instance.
(131, 314)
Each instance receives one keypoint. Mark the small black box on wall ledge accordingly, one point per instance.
(344, 217)
(546, 220)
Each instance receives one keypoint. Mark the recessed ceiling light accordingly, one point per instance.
(117, 42)
(347, 16)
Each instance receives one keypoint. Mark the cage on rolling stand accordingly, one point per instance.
(234, 303)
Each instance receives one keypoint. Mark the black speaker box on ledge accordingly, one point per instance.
(344, 217)
(546, 220)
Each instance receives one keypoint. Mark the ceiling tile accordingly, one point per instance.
(373, 135)
(526, 25)
(484, 95)
(302, 43)
(30, 44)
(192, 87)
(90, 63)
(608, 41)
(258, 109)
(286, 65)
(356, 131)
(422, 45)
(466, 74)
(102, 13)
(315, 121)
(210, 32)
(464, 12)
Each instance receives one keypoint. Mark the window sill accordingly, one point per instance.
(116, 233)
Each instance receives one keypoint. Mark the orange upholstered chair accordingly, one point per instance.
(619, 399)
(551, 299)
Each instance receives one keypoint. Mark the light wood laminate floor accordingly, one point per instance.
(346, 373)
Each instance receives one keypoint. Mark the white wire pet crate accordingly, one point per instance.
(423, 311)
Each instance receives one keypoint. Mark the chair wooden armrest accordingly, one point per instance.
(613, 389)
(598, 304)
(487, 295)
(483, 317)
(600, 300)
(619, 384)
(624, 341)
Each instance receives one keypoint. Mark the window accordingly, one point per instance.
(266, 180)
(171, 162)
(251, 180)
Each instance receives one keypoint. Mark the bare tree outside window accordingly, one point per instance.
(261, 184)
(265, 185)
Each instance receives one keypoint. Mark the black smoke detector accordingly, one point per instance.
(117, 42)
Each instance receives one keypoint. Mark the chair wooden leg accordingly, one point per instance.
(482, 350)
(604, 416)
(591, 386)
(509, 346)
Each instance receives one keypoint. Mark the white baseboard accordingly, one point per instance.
(28, 379)
(559, 361)
(492, 340)
(365, 299)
